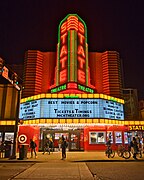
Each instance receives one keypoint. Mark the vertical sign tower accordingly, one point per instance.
(72, 53)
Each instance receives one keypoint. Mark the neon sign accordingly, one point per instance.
(136, 128)
(78, 86)
(72, 51)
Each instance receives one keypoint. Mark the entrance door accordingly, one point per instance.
(75, 140)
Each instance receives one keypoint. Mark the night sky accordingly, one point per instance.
(112, 25)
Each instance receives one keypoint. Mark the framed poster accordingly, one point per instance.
(118, 137)
(92, 138)
(110, 136)
(125, 138)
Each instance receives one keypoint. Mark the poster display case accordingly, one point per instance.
(118, 137)
(126, 138)
(110, 136)
(97, 138)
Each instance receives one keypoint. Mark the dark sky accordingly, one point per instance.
(112, 25)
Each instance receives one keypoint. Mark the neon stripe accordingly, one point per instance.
(86, 50)
(72, 54)
(68, 68)
(75, 56)
(58, 64)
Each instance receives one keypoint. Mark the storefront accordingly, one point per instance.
(87, 138)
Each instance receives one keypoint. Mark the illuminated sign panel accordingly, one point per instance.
(71, 108)
(136, 128)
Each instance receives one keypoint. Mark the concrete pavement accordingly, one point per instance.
(52, 167)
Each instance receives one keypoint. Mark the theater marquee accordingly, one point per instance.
(71, 108)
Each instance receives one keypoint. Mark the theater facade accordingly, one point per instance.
(84, 103)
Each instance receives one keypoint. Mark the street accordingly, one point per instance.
(117, 170)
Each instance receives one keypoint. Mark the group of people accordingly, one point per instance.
(136, 146)
(62, 144)
(49, 146)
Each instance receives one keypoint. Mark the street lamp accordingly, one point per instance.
(13, 156)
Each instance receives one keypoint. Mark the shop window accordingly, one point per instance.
(9, 136)
(118, 137)
(97, 137)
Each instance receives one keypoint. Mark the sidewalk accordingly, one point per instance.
(71, 157)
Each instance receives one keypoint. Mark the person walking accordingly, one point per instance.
(63, 146)
(47, 146)
(33, 146)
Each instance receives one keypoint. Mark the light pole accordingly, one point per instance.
(13, 156)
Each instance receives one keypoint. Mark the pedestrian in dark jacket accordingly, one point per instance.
(33, 148)
(134, 147)
(63, 146)
(47, 146)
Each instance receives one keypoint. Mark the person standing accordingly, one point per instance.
(33, 146)
(134, 147)
(59, 143)
(63, 146)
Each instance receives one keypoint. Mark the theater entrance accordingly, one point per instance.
(75, 139)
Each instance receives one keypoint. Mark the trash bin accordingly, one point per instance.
(23, 149)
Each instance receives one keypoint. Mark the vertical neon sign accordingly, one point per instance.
(72, 51)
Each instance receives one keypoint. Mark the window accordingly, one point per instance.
(96, 137)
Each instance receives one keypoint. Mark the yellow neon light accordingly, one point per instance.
(75, 121)
(69, 121)
(48, 95)
(90, 96)
(82, 121)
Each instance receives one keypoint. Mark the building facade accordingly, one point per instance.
(75, 93)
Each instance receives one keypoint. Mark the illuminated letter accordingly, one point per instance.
(81, 51)
(81, 38)
(81, 76)
(63, 38)
(63, 76)
(62, 61)
(63, 51)
(81, 27)
(63, 27)
(81, 62)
